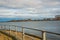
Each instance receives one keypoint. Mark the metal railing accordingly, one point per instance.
(3, 27)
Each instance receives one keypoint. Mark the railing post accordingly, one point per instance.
(16, 30)
(1, 27)
(22, 33)
(9, 29)
(43, 35)
(4, 27)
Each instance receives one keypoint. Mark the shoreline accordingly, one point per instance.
(31, 21)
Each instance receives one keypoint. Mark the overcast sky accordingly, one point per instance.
(29, 8)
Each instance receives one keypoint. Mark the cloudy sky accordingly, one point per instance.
(29, 8)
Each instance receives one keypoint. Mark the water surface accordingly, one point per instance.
(52, 26)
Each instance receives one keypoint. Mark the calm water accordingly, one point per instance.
(52, 26)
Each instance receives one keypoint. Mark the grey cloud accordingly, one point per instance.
(32, 6)
(50, 0)
(29, 3)
(20, 3)
(51, 3)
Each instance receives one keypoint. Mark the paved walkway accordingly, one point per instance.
(4, 37)
(18, 35)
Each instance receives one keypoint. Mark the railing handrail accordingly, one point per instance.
(42, 30)
(23, 33)
(35, 29)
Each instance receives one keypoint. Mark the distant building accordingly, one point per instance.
(57, 17)
(29, 19)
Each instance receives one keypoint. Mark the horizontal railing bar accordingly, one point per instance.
(35, 29)
(42, 31)
(53, 33)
